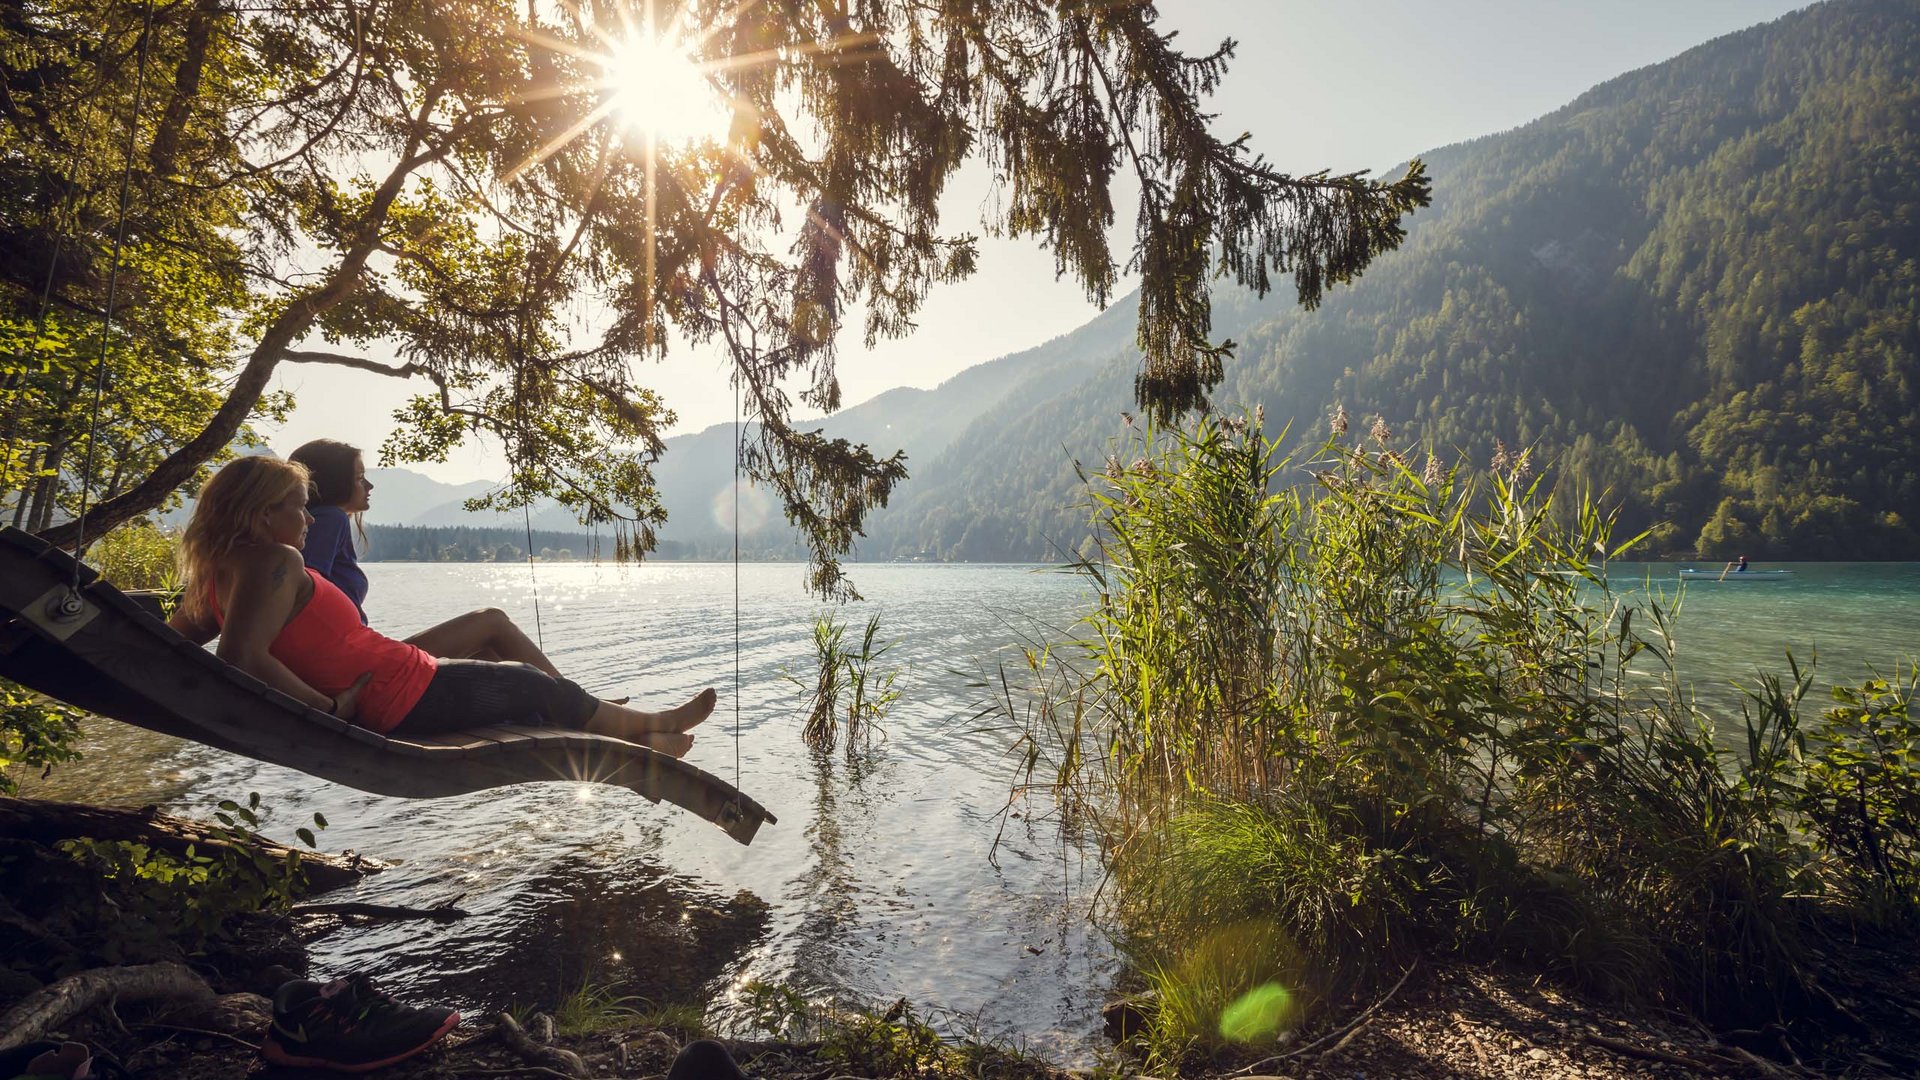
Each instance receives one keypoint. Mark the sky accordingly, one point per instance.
(1359, 84)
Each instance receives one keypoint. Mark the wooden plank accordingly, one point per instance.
(23, 541)
(504, 735)
(452, 740)
(129, 666)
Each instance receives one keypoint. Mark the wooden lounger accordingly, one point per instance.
(103, 651)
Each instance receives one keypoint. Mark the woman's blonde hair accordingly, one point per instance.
(226, 514)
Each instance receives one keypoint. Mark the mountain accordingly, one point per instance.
(1695, 288)
(695, 474)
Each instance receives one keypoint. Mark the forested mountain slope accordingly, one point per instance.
(1695, 287)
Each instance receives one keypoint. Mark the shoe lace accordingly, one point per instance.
(370, 1000)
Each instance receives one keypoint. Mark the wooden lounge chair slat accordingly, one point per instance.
(124, 663)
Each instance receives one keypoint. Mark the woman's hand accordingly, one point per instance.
(348, 701)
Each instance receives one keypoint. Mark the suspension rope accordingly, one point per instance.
(113, 283)
(539, 637)
(739, 434)
(526, 506)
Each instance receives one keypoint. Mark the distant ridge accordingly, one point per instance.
(1696, 288)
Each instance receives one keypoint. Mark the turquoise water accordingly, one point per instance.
(882, 879)
(1846, 620)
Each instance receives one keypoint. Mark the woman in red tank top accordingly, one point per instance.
(298, 633)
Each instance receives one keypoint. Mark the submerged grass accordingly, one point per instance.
(1391, 712)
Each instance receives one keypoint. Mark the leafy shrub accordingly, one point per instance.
(138, 556)
(193, 896)
(36, 732)
(1861, 792)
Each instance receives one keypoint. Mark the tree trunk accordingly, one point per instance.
(46, 491)
(26, 489)
(287, 328)
(41, 513)
(45, 822)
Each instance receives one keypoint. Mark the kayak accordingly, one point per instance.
(1735, 575)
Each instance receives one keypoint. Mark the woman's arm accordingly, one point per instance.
(266, 587)
(198, 630)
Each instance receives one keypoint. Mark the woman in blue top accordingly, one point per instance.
(340, 493)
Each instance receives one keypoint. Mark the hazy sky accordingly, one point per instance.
(1361, 84)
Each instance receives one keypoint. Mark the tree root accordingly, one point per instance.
(546, 1057)
(51, 1006)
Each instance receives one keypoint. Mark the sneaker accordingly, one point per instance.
(349, 1026)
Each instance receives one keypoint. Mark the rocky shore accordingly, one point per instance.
(79, 966)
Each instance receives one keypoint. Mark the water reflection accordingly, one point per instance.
(628, 924)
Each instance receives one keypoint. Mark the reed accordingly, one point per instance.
(847, 684)
(1390, 712)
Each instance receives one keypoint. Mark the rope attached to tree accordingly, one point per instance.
(113, 283)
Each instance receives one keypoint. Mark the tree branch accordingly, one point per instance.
(309, 356)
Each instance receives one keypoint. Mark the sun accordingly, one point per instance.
(659, 91)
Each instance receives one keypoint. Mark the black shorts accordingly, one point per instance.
(482, 693)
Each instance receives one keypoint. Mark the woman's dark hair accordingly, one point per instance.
(330, 463)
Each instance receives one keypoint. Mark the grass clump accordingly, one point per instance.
(1381, 711)
(847, 685)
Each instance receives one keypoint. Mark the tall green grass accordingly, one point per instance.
(1390, 711)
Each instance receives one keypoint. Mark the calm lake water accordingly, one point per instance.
(881, 879)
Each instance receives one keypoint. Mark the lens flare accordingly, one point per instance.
(1257, 1015)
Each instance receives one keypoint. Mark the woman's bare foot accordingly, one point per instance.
(671, 743)
(692, 711)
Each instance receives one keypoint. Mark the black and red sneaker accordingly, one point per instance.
(348, 1025)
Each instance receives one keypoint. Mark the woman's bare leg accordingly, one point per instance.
(487, 634)
(663, 731)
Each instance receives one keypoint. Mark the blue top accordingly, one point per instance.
(330, 553)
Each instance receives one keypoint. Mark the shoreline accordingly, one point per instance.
(1456, 1020)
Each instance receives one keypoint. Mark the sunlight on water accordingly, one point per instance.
(876, 882)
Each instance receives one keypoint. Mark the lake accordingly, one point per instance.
(882, 879)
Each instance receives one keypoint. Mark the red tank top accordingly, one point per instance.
(328, 647)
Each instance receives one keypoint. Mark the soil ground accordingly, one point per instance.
(1453, 1024)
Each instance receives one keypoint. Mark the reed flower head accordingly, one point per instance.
(1128, 417)
(1381, 432)
(1433, 473)
(1500, 459)
(1339, 422)
(1523, 465)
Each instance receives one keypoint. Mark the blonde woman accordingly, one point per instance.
(294, 630)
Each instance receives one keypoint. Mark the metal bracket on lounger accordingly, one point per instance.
(61, 611)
